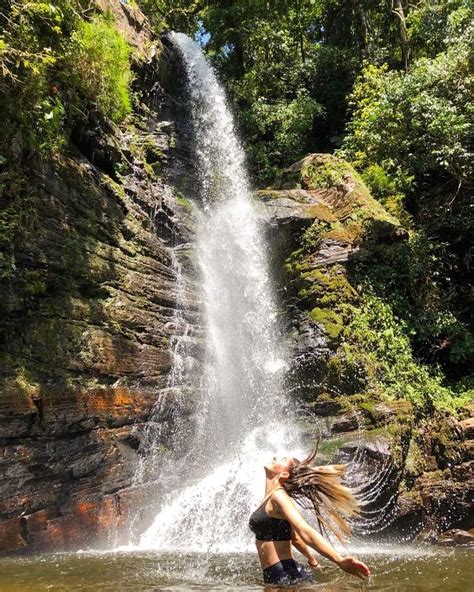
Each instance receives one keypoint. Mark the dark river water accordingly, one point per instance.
(395, 569)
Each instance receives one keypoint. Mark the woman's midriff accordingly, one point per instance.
(271, 552)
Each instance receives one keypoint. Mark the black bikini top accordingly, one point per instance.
(267, 528)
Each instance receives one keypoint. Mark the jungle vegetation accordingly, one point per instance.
(385, 84)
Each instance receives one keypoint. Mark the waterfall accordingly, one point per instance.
(243, 418)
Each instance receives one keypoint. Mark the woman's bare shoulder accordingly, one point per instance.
(286, 506)
(281, 496)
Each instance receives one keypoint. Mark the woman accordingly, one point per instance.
(277, 522)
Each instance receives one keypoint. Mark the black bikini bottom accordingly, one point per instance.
(286, 571)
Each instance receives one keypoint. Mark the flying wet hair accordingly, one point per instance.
(319, 488)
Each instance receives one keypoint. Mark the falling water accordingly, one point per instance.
(239, 425)
(150, 462)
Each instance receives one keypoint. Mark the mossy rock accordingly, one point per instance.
(329, 319)
(321, 212)
(348, 234)
(381, 413)
(346, 192)
(415, 460)
(315, 171)
(145, 149)
(324, 172)
(269, 194)
(184, 202)
(327, 288)
(332, 272)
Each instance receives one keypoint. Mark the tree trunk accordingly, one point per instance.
(397, 9)
(360, 24)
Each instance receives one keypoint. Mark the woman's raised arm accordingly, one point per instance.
(287, 507)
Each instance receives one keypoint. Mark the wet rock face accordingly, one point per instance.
(88, 311)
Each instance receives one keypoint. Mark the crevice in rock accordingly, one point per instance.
(38, 403)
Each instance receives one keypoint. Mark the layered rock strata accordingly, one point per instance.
(89, 313)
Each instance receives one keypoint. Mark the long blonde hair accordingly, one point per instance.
(320, 489)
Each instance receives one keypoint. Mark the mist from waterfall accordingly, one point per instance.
(240, 423)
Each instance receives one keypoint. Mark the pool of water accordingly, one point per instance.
(394, 569)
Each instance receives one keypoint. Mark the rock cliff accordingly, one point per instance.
(352, 365)
(94, 240)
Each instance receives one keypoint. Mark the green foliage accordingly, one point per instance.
(385, 188)
(285, 125)
(288, 67)
(271, 53)
(330, 320)
(33, 40)
(416, 123)
(416, 277)
(53, 64)
(380, 342)
(50, 114)
(432, 25)
(410, 136)
(177, 15)
(330, 174)
(99, 58)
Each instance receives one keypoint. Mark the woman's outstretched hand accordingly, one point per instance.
(354, 567)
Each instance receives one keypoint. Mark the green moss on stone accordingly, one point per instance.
(323, 175)
(348, 234)
(24, 381)
(183, 201)
(294, 265)
(415, 460)
(326, 287)
(266, 194)
(313, 235)
(321, 212)
(354, 201)
(34, 282)
(370, 408)
(330, 320)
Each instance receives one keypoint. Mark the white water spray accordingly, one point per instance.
(240, 424)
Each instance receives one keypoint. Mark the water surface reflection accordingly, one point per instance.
(404, 569)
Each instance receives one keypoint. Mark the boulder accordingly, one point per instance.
(456, 537)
